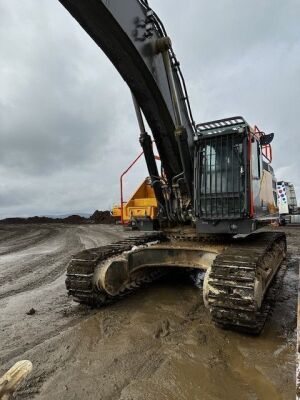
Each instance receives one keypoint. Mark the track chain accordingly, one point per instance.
(232, 282)
(80, 271)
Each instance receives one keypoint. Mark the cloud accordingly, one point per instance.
(67, 125)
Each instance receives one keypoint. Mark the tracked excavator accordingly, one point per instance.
(215, 190)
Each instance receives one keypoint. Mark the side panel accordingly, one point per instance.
(266, 200)
(263, 185)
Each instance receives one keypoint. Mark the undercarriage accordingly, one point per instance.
(238, 272)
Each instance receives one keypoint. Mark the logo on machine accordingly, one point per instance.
(281, 193)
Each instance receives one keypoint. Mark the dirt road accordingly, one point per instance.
(157, 344)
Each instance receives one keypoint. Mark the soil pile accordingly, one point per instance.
(99, 217)
(102, 217)
(30, 220)
(75, 219)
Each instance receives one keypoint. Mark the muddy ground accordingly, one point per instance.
(158, 344)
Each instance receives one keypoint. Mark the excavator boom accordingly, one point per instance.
(134, 39)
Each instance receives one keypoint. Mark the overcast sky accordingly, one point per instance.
(67, 125)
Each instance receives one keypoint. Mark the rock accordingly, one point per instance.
(13, 378)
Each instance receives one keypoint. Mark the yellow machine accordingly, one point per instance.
(141, 210)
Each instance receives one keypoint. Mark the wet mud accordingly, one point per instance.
(156, 344)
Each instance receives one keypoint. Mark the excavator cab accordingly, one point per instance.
(234, 183)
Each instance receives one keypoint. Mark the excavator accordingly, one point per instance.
(215, 189)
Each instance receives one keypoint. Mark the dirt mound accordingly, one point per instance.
(75, 219)
(102, 217)
(30, 220)
(99, 217)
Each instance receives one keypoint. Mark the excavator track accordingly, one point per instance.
(80, 271)
(240, 286)
(240, 291)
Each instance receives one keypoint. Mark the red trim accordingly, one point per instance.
(267, 152)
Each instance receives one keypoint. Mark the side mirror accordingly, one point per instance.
(266, 139)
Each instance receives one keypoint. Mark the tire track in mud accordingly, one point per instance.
(20, 251)
(88, 237)
(40, 267)
(142, 359)
(39, 272)
(26, 238)
(157, 354)
(45, 279)
(37, 269)
(74, 317)
(8, 232)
